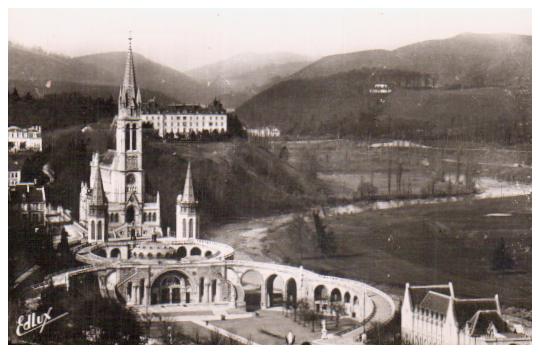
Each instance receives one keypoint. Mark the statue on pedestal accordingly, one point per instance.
(324, 332)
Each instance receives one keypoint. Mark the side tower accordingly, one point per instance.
(187, 219)
(97, 206)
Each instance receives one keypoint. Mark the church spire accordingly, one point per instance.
(130, 95)
(98, 195)
(188, 195)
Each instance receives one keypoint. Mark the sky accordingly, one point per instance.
(190, 38)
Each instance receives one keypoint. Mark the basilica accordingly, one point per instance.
(182, 276)
(114, 205)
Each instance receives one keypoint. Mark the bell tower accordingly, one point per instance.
(129, 135)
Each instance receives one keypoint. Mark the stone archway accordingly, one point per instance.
(275, 289)
(171, 287)
(335, 296)
(320, 295)
(291, 292)
(320, 292)
(116, 253)
(252, 283)
(195, 252)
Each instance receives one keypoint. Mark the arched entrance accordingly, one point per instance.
(252, 282)
(130, 214)
(291, 292)
(115, 253)
(172, 287)
(275, 287)
(335, 296)
(195, 252)
(321, 297)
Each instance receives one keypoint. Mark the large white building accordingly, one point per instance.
(184, 119)
(20, 139)
(434, 315)
(115, 205)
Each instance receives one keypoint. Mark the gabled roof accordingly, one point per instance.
(418, 293)
(479, 323)
(24, 193)
(435, 302)
(465, 309)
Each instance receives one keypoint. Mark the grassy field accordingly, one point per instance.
(425, 244)
(343, 164)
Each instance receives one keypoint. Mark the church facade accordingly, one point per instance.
(114, 205)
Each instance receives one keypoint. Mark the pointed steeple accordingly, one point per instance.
(98, 195)
(188, 196)
(130, 96)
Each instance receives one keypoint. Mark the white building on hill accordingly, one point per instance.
(267, 131)
(434, 315)
(184, 119)
(20, 139)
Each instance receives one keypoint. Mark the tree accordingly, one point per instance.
(235, 127)
(399, 174)
(501, 260)
(309, 163)
(366, 190)
(91, 318)
(313, 317)
(28, 97)
(338, 309)
(284, 153)
(325, 237)
(14, 96)
(303, 309)
(64, 253)
(299, 228)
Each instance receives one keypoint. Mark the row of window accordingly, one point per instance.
(149, 217)
(191, 117)
(34, 135)
(35, 206)
(34, 217)
(93, 230)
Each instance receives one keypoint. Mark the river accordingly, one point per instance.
(246, 237)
